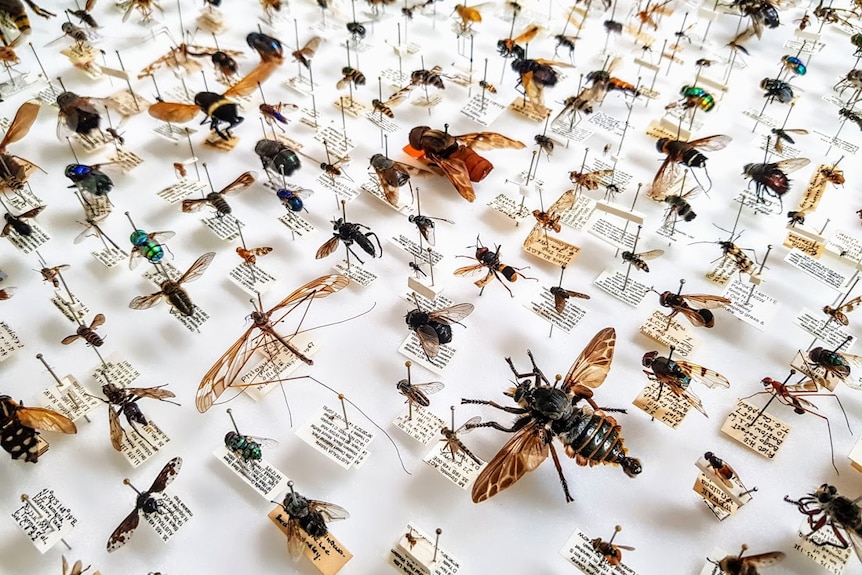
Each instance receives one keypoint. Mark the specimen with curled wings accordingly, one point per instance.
(260, 336)
(546, 411)
(455, 155)
(14, 170)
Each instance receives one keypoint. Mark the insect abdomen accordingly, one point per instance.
(595, 438)
(477, 166)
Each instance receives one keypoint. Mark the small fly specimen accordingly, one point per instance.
(173, 291)
(146, 502)
(490, 260)
(750, 565)
(827, 508)
(262, 336)
(613, 554)
(20, 426)
(307, 518)
(679, 375)
(77, 569)
(434, 328)
(699, 316)
(216, 198)
(546, 411)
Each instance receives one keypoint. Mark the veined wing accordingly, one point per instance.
(524, 452)
(592, 366)
(703, 375)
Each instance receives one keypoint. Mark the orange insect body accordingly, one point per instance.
(478, 166)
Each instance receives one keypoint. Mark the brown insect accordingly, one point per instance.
(562, 295)
(721, 469)
(550, 220)
(216, 198)
(838, 313)
(701, 316)
(739, 565)
(611, 553)
(455, 155)
(270, 7)
(392, 175)
(306, 53)
(680, 153)
(78, 568)
(173, 291)
(646, 16)
(87, 333)
(511, 46)
(534, 75)
(85, 17)
(272, 113)
(14, 170)
(588, 180)
(178, 58)
(146, 7)
(454, 446)
(53, 274)
(468, 15)
(679, 375)
(7, 293)
(249, 257)
(385, 108)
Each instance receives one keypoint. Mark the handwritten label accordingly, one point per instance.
(510, 208)
(541, 244)
(459, 468)
(765, 436)
(251, 278)
(141, 442)
(526, 109)
(819, 325)
(723, 271)
(280, 363)
(571, 130)
(844, 243)
(579, 551)
(9, 341)
(418, 561)
(669, 332)
(298, 225)
(126, 160)
(843, 145)
(412, 349)
(28, 244)
(414, 249)
(117, 371)
(172, 515)
(225, 227)
(612, 234)
(357, 273)
(44, 519)
(482, 109)
(260, 475)
(750, 305)
(94, 141)
(543, 305)
(181, 190)
(816, 270)
(327, 554)
(669, 408)
(806, 245)
(614, 283)
(70, 398)
(423, 426)
(326, 432)
(72, 310)
(721, 505)
(110, 256)
(816, 546)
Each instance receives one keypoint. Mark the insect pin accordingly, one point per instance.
(610, 552)
(434, 328)
(750, 565)
(246, 447)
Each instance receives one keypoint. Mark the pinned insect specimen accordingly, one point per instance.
(277, 157)
(350, 75)
(534, 76)
(600, 82)
(217, 109)
(588, 180)
(173, 291)
(20, 426)
(694, 97)
(468, 15)
(490, 260)
(14, 13)
(307, 518)
(762, 14)
(771, 179)
(268, 48)
(148, 246)
(827, 508)
(434, 328)
(546, 411)
(456, 157)
(306, 53)
(84, 15)
(613, 554)
(838, 313)
(249, 256)
(14, 170)
(699, 316)
(146, 7)
(87, 333)
(750, 565)
(679, 375)
(272, 113)
(293, 197)
(262, 336)
(427, 226)
(417, 393)
(562, 295)
(833, 365)
(776, 89)
(783, 135)
(639, 260)
(78, 567)
(510, 47)
(125, 400)
(246, 447)
(80, 114)
(350, 233)
(216, 199)
(18, 223)
(550, 219)
(680, 153)
(146, 502)
(178, 59)
(89, 179)
(454, 446)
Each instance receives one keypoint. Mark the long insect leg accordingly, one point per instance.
(506, 408)
(559, 467)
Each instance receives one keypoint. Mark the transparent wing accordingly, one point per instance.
(146, 301)
(791, 165)
(197, 269)
(711, 143)
(453, 313)
(703, 375)
(330, 511)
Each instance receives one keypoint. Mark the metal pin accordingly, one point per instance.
(634, 251)
(759, 271)
(407, 364)
(230, 414)
(69, 396)
(431, 265)
(771, 399)
(344, 413)
(438, 531)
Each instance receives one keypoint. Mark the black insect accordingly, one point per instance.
(433, 328)
(90, 179)
(146, 502)
(826, 508)
(246, 447)
(417, 393)
(277, 157)
(125, 400)
(216, 199)
(771, 179)
(349, 233)
(490, 260)
(20, 426)
(307, 518)
(426, 226)
(88, 334)
(777, 89)
(18, 224)
(173, 291)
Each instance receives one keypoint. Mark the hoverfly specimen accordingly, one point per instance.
(700, 316)
(600, 83)
(455, 155)
(304, 55)
(125, 399)
(417, 393)
(639, 260)
(546, 411)
(13, 169)
(18, 223)
(20, 426)
(307, 518)
(550, 219)
(839, 313)
(680, 153)
(146, 502)
(216, 199)
(509, 47)
(246, 447)
(173, 291)
(87, 333)
(350, 75)
(249, 255)
(679, 375)
(261, 335)
(771, 179)
(434, 328)
(350, 233)
(750, 565)
(613, 554)
(490, 260)
(827, 508)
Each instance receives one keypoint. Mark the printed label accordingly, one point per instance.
(423, 426)
(458, 468)
(260, 475)
(328, 433)
(172, 515)
(543, 305)
(578, 550)
(613, 282)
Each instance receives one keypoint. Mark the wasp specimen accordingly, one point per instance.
(417, 393)
(14, 169)
(456, 156)
(647, 15)
(830, 15)
(509, 47)
(249, 256)
(272, 113)
(776, 89)
(562, 295)
(268, 48)
(679, 375)
(434, 328)
(468, 16)
(613, 554)
(246, 447)
(20, 426)
(490, 260)
(350, 233)
(277, 157)
(306, 53)
(262, 336)
(546, 411)
(700, 316)
(783, 135)
(216, 199)
(293, 197)
(13, 11)
(17, 223)
(307, 518)
(426, 226)
(750, 565)
(834, 366)
(90, 179)
(827, 508)
(392, 175)
(550, 219)
(348, 75)
(146, 502)
(146, 7)
(125, 400)
(432, 77)
(680, 153)
(173, 291)
(803, 23)
(84, 16)
(534, 76)
(639, 260)
(454, 446)
(87, 333)
(721, 470)
(216, 107)
(51, 274)
(771, 179)
(149, 246)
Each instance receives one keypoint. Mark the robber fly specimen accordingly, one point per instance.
(546, 411)
(827, 508)
(454, 446)
(679, 375)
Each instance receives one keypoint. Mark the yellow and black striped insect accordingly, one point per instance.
(13, 10)
(639, 260)
(349, 75)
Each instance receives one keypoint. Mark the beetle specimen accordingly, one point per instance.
(490, 260)
(20, 426)
(433, 328)
(246, 447)
(349, 233)
(262, 336)
(307, 518)
(679, 375)
(13, 169)
(546, 411)
(146, 502)
(216, 199)
(125, 399)
(750, 565)
(680, 153)
(611, 553)
(172, 290)
(827, 508)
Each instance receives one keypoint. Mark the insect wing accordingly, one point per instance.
(327, 248)
(115, 429)
(189, 206)
(311, 47)
(706, 301)
(124, 531)
(563, 203)
(429, 388)
(703, 375)
(197, 269)
(21, 124)
(467, 270)
(650, 255)
(468, 425)
(458, 175)
(711, 143)
(150, 392)
(791, 165)
(559, 299)
(248, 83)
(453, 313)
(243, 181)
(173, 112)
(663, 179)
(524, 452)
(263, 441)
(489, 141)
(764, 559)
(429, 340)
(45, 420)
(295, 537)
(167, 475)
(527, 35)
(330, 511)
(592, 366)
(146, 301)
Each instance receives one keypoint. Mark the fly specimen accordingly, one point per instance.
(125, 400)
(434, 328)
(13, 169)
(173, 291)
(680, 153)
(679, 375)
(827, 508)
(216, 199)
(307, 518)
